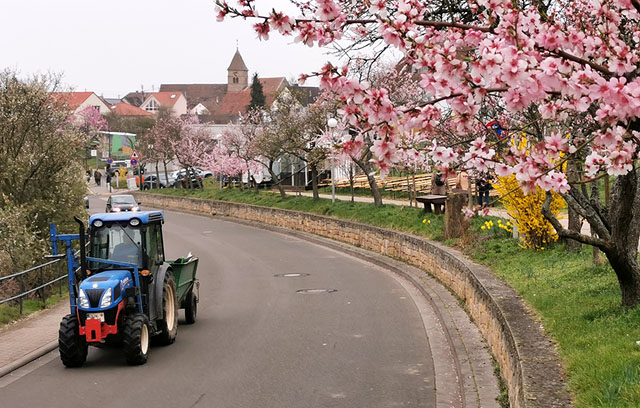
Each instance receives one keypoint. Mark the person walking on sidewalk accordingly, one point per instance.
(97, 176)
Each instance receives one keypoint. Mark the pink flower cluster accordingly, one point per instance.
(578, 59)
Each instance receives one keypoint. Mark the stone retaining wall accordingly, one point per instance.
(527, 358)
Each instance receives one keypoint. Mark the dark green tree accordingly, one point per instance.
(258, 99)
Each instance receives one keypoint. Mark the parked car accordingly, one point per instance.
(122, 202)
(184, 178)
(151, 181)
(119, 166)
(204, 173)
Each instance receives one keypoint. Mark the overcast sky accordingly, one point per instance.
(116, 46)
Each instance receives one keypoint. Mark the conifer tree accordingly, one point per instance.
(258, 99)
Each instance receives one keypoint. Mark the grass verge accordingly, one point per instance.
(578, 303)
(11, 313)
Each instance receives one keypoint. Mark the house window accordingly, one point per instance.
(152, 106)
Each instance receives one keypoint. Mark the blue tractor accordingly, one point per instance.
(125, 292)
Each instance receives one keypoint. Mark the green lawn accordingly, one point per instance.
(11, 313)
(578, 303)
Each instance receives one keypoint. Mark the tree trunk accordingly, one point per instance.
(314, 180)
(368, 170)
(575, 223)
(628, 273)
(616, 230)
(157, 175)
(166, 173)
(351, 182)
(255, 183)
(277, 180)
(455, 224)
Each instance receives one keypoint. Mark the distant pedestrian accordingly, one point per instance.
(109, 180)
(97, 176)
(438, 184)
(88, 176)
(483, 185)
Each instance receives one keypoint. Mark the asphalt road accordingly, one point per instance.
(258, 342)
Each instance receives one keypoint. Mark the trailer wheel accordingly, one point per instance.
(135, 338)
(72, 346)
(191, 307)
(169, 323)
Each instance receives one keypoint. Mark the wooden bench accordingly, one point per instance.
(436, 200)
(294, 189)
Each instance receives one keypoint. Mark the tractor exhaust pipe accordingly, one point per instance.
(83, 255)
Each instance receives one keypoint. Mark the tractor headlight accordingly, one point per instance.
(84, 301)
(106, 299)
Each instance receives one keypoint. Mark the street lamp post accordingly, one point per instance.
(332, 123)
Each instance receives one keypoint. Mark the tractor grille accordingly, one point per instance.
(94, 296)
(109, 316)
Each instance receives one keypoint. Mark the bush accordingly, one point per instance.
(526, 209)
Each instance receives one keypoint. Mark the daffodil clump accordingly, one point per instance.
(526, 209)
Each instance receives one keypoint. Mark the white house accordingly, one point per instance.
(174, 101)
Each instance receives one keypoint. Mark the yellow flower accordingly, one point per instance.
(483, 227)
(424, 221)
(429, 221)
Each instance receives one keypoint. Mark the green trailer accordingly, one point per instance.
(187, 286)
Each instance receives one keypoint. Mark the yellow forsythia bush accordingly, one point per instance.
(526, 209)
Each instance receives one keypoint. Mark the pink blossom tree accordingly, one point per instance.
(161, 137)
(193, 144)
(560, 61)
(90, 122)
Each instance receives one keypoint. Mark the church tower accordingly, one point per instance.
(238, 74)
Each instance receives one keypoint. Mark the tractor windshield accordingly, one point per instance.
(117, 242)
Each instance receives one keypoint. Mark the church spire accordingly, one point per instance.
(237, 74)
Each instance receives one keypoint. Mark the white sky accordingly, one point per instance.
(116, 46)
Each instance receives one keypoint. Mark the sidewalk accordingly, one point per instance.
(29, 338)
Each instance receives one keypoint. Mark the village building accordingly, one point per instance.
(226, 103)
(78, 101)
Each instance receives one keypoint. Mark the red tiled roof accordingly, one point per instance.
(72, 99)
(235, 103)
(124, 109)
(207, 94)
(167, 99)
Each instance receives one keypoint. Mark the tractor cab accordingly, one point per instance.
(132, 238)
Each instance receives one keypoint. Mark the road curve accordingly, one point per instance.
(257, 341)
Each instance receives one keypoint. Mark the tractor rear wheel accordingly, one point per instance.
(169, 323)
(135, 338)
(191, 307)
(72, 346)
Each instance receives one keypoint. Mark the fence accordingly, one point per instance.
(44, 276)
(41, 275)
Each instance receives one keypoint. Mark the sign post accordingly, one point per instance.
(134, 162)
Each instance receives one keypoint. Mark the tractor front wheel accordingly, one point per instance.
(135, 338)
(191, 307)
(169, 322)
(72, 346)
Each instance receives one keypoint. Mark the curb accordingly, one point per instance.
(26, 359)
